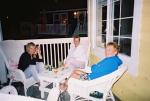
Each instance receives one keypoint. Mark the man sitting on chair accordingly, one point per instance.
(76, 55)
(109, 64)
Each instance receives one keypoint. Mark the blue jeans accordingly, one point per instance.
(33, 70)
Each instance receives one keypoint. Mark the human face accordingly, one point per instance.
(76, 42)
(110, 51)
(36, 50)
(31, 50)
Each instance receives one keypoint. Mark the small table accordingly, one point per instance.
(49, 77)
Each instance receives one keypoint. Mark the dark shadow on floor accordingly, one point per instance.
(33, 91)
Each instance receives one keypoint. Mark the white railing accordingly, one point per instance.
(53, 51)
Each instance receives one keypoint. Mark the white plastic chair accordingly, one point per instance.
(9, 90)
(103, 84)
(17, 75)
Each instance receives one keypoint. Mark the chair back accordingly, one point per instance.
(114, 77)
(9, 90)
(4, 58)
(11, 51)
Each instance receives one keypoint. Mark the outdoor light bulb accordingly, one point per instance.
(6, 17)
(75, 13)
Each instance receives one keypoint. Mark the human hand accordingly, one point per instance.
(65, 65)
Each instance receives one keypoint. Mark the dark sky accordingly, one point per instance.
(24, 9)
(14, 12)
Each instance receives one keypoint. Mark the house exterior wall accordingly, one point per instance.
(137, 88)
(131, 88)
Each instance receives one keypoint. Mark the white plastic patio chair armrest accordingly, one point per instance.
(76, 86)
(9, 90)
(86, 83)
(18, 75)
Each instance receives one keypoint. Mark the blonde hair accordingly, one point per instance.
(29, 45)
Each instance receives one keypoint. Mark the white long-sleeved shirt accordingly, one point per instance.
(78, 53)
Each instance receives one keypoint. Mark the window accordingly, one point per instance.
(115, 23)
(119, 21)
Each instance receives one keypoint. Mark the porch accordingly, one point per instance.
(54, 51)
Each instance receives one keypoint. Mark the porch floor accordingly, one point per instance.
(33, 91)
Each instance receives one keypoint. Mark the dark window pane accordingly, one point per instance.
(103, 38)
(126, 27)
(115, 0)
(104, 27)
(116, 27)
(49, 18)
(104, 12)
(116, 9)
(125, 46)
(115, 39)
(127, 8)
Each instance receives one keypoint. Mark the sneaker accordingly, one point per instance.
(96, 94)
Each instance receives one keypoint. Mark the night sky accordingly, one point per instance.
(14, 12)
(26, 9)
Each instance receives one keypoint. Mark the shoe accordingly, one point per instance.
(96, 94)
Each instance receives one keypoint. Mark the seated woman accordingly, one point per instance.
(109, 64)
(31, 61)
(76, 55)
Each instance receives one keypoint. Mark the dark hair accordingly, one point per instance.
(36, 46)
(114, 44)
(76, 37)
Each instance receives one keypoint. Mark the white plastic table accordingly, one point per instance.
(49, 77)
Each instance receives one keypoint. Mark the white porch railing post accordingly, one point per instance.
(47, 53)
(58, 54)
(51, 55)
(43, 53)
(61, 52)
(55, 55)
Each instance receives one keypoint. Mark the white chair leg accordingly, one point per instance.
(25, 91)
(112, 96)
(10, 81)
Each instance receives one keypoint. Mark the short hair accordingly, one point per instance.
(76, 37)
(114, 44)
(29, 45)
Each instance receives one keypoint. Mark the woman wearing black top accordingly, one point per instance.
(31, 61)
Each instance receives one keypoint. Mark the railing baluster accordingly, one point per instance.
(65, 50)
(43, 53)
(61, 52)
(47, 54)
(55, 55)
(58, 54)
(68, 47)
(51, 54)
